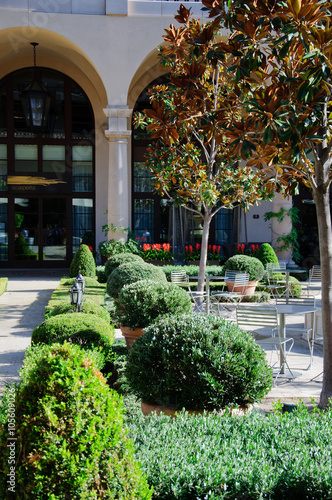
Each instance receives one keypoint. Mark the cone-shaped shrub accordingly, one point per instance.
(266, 254)
(83, 262)
(68, 426)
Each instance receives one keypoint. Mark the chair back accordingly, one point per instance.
(236, 281)
(180, 278)
(275, 265)
(250, 317)
(297, 301)
(315, 274)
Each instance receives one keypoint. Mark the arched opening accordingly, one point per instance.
(47, 176)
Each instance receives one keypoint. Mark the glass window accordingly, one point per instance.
(3, 111)
(3, 167)
(142, 178)
(223, 226)
(26, 158)
(143, 222)
(54, 159)
(26, 228)
(3, 229)
(21, 80)
(82, 221)
(82, 169)
(81, 115)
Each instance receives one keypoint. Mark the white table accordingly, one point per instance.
(287, 273)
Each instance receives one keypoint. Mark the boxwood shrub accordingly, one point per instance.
(198, 362)
(130, 273)
(245, 263)
(88, 307)
(121, 258)
(275, 457)
(141, 303)
(68, 425)
(83, 262)
(86, 330)
(266, 254)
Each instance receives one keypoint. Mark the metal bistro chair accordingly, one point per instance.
(235, 285)
(276, 285)
(313, 285)
(198, 299)
(251, 318)
(308, 332)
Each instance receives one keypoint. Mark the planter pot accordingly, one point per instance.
(171, 412)
(250, 288)
(131, 334)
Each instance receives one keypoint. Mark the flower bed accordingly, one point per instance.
(157, 251)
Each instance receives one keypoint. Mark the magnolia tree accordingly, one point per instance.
(280, 54)
(190, 157)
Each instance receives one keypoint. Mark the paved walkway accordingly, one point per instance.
(22, 308)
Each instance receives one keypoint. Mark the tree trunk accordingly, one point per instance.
(204, 249)
(322, 202)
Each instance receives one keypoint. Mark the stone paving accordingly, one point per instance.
(22, 308)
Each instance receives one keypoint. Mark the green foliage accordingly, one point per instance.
(251, 265)
(87, 308)
(213, 457)
(130, 273)
(100, 274)
(83, 261)
(22, 249)
(3, 285)
(141, 303)
(121, 258)
(86, 330)
(266, 254)
(197, 362)
(69, 430)
(288, 241)
(295, 288)
(114, 247)
(258, 297)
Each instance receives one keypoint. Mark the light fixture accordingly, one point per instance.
(80, 281)
(76, 297)
(35, 100)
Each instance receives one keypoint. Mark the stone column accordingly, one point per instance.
(118, 135)
(281, 228)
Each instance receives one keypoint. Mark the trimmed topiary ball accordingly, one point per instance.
(247, 264)
(142, 302)
(68, 425)
(86, 330)
(266, 254)
(87, 308)
(198, 362)
(121, 258)
(130, 273)
(83, 262)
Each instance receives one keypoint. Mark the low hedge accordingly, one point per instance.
(194, 270)
(88, 307)
(275, 457)
(86, 330)
(69, 436)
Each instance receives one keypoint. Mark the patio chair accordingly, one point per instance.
(313, 285)
(308, 330)
(276, 285)
(198, 299)
(235, 285)
(251, 318)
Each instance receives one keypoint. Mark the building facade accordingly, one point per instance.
(65, 175)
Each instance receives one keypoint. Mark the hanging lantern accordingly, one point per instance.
(35, 101)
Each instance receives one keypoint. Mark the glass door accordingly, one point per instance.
(54, 216)
(26, 221)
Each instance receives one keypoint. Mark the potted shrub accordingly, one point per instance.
(143, 302)
(250, 265)
(198, 363)
(121, 258)
(131, 272)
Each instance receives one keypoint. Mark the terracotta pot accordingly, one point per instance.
(131, 334)
(171, 412)
(250, 288)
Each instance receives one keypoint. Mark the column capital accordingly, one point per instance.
(117, 123)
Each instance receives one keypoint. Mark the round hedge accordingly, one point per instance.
(141, 303)
(266, 254)
(88, 307)
(121, 258)
(130, 273)
(245, 263)
(83, 262)
(70, 439)
(198, 362)
(86, 330)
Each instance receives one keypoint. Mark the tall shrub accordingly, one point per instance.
(130, 273)
(121, 258)
(266, 254)
(70, 442)
(83, 261)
